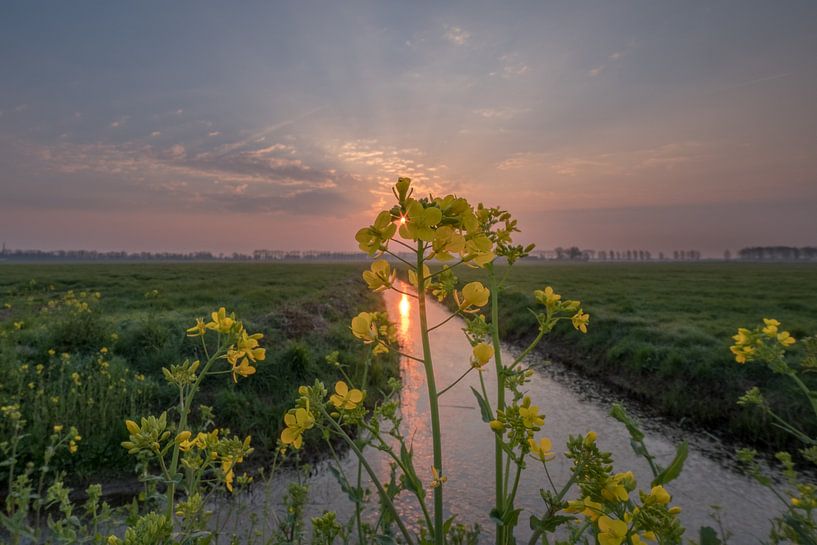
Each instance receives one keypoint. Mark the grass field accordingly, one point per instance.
(661, 332)
(132, 331)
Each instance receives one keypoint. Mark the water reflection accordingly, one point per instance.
(405, 315)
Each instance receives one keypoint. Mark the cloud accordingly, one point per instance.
(503, 113)
(457, 35)
(383, 164)
(512, 66)
(119, 122)
(665, 157)
(266, 179)
(156, 134)
(613, 57)
(176, 152)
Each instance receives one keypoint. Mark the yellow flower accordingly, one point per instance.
(247, 345)
(420, 221)
(743, 336)
(58, 428)
(611, 532)
(580, 321)
(229, 477)
(363, 328)
(771, 326)
(482, 354)
(412, 275)
(474, 294)
(547, 297)
(785, 338)
(19, 325)
(530, 414)
(75, 378)
(133, 427)
(401, 189)
(380, 276)
(447, 242)
(637, 539)
(742, 353)
(436, 478)
(586, 507)
(220, 321)
(590, 438)
(497, 426)
(185, 443)
(542, 450)
(659, 495)
(297, 422)
(244, 369)
(479, 251)
(375, 238)
(72, 447)
(615, 489)
(344, 398)
(197, 330)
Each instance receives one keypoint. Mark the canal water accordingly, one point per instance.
(572, 406)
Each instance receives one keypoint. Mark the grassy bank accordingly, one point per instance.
(661, 332)
(93, 369)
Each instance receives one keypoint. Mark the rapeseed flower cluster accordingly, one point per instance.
(766, 342)
(243, 349)
(557, 309)
(374, 328)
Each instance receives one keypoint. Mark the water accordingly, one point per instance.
(572, 406)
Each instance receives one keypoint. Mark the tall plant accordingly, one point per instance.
(418, 232)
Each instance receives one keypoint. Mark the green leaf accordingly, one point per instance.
(548, 524)
(621, 415)
(709, 536)
(484, 408)
(674, 469)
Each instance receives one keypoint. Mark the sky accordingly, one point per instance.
(232, 126)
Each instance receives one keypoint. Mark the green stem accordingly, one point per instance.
(530, 347)
(439, 537)
(499, 484)
(807, 391)
(430, 329)
(444, 390)
(401, 259)
(184, 410)
(384, 447)
(383, 494)
(554, 507)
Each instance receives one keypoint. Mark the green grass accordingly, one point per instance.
(303, 311)
(661, 332)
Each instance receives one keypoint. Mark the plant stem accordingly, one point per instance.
(439, 537)
(500, 400)
(383, 494)
(444, 390)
